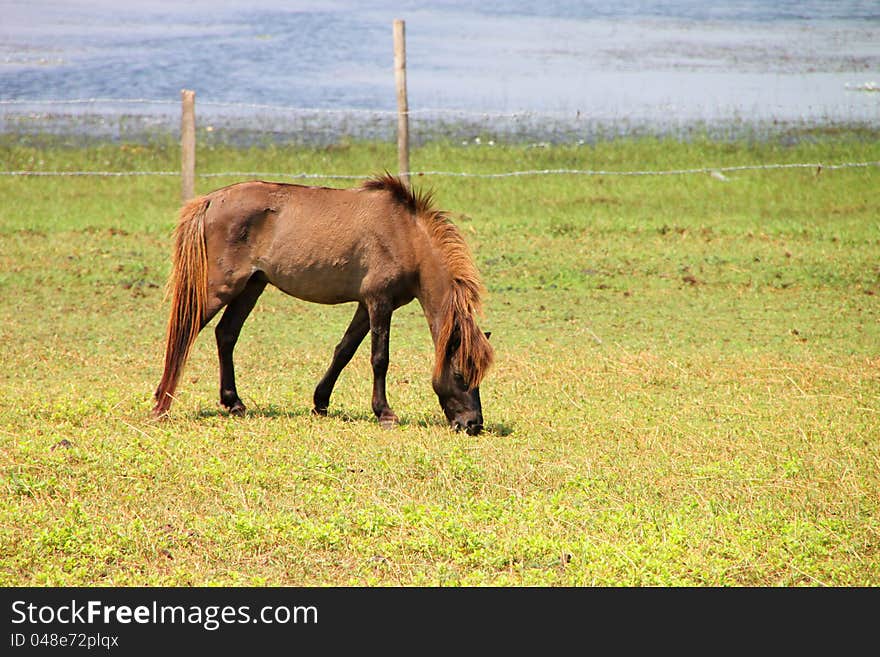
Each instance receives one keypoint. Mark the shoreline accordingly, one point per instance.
(311, 127)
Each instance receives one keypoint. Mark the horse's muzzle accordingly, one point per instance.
(472, 426)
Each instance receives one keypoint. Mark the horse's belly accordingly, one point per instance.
(330, 263)
(317, 284)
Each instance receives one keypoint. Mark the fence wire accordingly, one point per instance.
(715, 171)
(293, 109)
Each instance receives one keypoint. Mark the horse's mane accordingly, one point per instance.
(464, 303)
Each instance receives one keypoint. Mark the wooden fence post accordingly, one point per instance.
(188, 144)
(402, 105)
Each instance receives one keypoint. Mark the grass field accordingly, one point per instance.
(686, 390)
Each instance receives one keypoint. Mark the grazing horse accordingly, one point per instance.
(380, 245)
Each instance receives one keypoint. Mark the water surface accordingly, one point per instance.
(626, 64)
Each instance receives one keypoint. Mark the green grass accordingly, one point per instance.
(686, 392)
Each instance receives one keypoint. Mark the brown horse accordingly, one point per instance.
(379, 244)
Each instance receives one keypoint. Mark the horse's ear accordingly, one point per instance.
(488, 334)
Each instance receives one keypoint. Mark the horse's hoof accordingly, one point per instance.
(388, 421)
(238, 409)
(319, 411)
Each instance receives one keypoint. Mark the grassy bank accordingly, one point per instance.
(687, 386)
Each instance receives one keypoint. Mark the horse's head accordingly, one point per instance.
(459, 399)
(461, 406)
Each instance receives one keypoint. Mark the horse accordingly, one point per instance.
(379, 245)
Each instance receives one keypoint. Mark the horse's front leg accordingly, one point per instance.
(380, 329)
(354, 335)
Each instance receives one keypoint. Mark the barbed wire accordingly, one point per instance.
(818, 166)
(670, 172)
(108, 174)
(271, 107)
(86, 101)
(415, 112)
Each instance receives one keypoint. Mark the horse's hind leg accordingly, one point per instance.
(354, 335)
(227, 332)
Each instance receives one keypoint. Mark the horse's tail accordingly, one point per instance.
(188, 288)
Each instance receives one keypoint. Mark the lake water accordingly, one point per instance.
(567, 68)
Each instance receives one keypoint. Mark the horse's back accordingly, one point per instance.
(316, 243)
